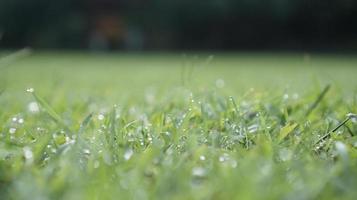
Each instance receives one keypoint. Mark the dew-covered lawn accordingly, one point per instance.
(171, 126)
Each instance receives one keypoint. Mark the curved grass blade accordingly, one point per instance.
(318, 100)
(286, 130)
(234, 105)
(50, 111)
(348, 118)
(85, 123)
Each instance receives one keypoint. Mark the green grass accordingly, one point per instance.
(169, 126)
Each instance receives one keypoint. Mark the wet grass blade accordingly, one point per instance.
(50, 111)
(286, 130)
(333, 130)
(234, 105)
(318, 100)
(85, 123)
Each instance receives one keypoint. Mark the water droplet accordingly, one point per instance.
(20, 121)
(285, 97)
(341, 149)
(33, 107)
(253, 128)
(12, 130)
(28, 154)
(69, 140)
(86, 151)
(199, 172)
(53, 150)
(221, 159)
(128, 153)
(202, 158)
(224, 157)
(30, 90)
(353, 117)
(100, 117)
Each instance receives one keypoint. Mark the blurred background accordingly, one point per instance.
(105, 25)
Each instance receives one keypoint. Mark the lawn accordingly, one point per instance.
(177, 126)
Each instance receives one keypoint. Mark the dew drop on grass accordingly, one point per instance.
(86, 151)
(31, 90)
(28, 154)
(20, 121)
(69, 140)
(199, 171)
(253, 128)
(353, 117)
(12, 130)
(33, 107)
(100, 117)
(341, 149)
(224, 157)
(128, 153)
(202, 158)
(285, 97)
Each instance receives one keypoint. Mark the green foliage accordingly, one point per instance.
(130, 132)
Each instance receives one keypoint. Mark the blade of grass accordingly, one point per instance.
(49, 110)
(286, 130)
(234, 105)
(318, 100)
(112, 135)
(349, 117)
(85, 123)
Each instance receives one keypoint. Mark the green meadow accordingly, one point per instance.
(77, 125)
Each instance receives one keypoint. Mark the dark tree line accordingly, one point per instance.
(182, 24)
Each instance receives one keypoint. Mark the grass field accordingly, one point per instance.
(171, 126)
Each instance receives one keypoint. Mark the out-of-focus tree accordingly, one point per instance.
(179, 24)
